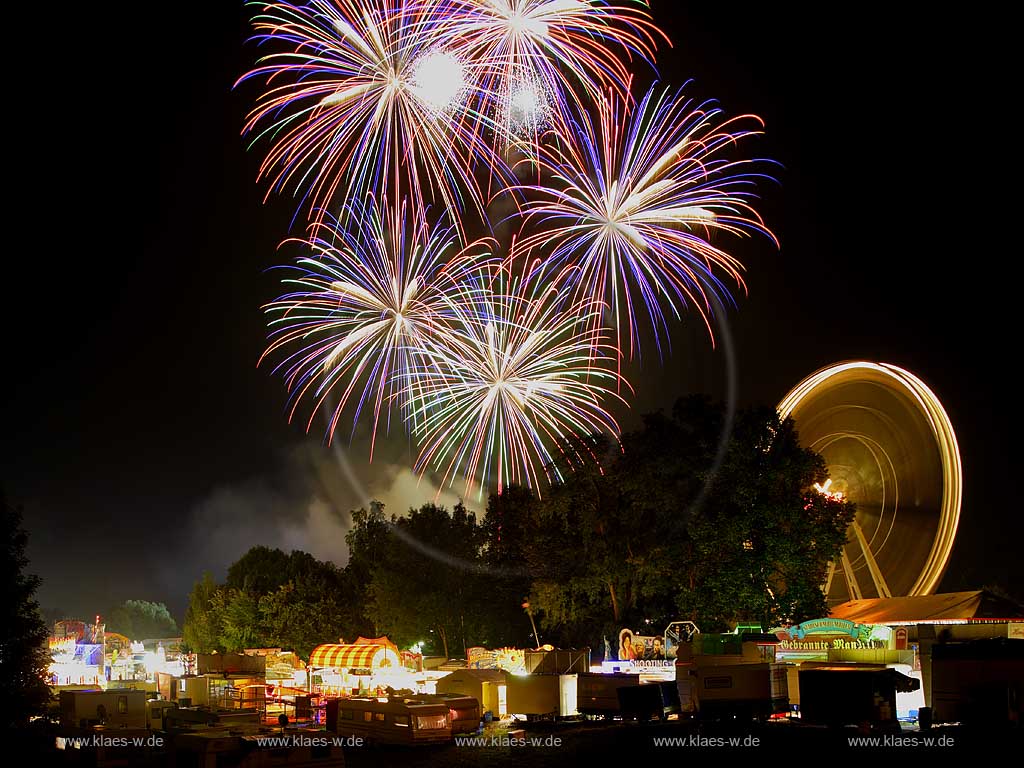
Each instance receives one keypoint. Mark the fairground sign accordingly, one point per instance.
(833, 634)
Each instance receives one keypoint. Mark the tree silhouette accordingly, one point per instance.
(23, 654)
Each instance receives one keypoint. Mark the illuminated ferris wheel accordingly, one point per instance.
(890, 448)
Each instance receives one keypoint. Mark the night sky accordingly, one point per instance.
(145, 445)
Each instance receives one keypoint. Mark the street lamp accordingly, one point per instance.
(536, 637)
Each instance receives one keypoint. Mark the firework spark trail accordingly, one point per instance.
(368, 302)
(544, 54)
(364, 97)
(634, 198)
(522, 376)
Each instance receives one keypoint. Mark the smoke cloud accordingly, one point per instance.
(306, 505)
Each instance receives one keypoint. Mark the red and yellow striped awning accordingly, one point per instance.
(333, 655)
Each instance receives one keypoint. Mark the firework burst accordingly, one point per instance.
(366, 305)
(365, 97)
(636, 194)
(543, 54)
(375, 112)
(521, 377)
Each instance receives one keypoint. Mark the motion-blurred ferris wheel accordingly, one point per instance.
(890, 448)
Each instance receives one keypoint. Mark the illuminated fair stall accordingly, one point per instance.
(119, 658)
(285, 672)
(835, 639)
(77, 650)
(349, 669)
(76, 663)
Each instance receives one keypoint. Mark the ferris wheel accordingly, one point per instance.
(890, 448)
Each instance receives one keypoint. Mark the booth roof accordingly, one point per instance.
(345, 656)
(382, 640)
(950, 606)
(902, 683)
(483, 675)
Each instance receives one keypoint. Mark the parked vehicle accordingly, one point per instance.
(464, 711)
(649, 701)
(731, 676)
(392, 720)
(598, 693)
(739, 691)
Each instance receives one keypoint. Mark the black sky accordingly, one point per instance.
(144, 444)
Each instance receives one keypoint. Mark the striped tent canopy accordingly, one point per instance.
(333, 655)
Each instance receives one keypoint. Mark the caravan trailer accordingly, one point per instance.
(464, 711)
(395, 720)
(731, 676)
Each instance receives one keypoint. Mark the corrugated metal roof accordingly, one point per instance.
(924, 608)
(484, 675)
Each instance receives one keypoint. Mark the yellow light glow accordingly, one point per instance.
(907, 385)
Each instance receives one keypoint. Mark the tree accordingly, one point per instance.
(508, 526)
(141, 619)
(429, 582)
(24, 658)
(679, 524)
(301, 616)
(762, 541)
(262, 570)
(369, 540)
(203, 618)
(616, 511)
(305, 604)
(240, 623)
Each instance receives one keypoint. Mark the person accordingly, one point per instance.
(626, 652)
(639, 649)
(658, 651)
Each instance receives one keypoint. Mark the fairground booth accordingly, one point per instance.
(368, 666)
(835, 643)
(77, 654)
(902, 633)
(965, 647)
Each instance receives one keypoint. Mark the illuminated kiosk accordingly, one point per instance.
(342, 670)
(890, 448)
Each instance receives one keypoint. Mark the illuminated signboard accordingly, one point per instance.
(634, 647)
(833, 634)
(509, 659)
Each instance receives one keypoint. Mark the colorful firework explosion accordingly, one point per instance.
(370, 102)
(364, 97)
(519, 379)
(635, 196)
(368, 302)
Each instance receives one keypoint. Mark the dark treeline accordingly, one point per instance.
(673, 524)
(24, 658)
(140, 620)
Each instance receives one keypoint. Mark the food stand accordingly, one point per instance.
(350, 669)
